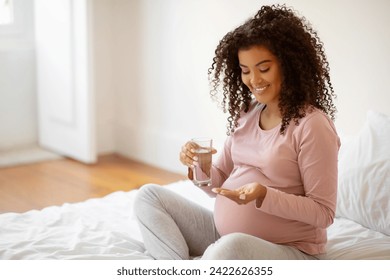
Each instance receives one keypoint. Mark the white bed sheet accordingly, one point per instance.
(106, 228)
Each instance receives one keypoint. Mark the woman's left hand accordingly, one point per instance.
(244, 194)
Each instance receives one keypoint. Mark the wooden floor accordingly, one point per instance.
(39, 185)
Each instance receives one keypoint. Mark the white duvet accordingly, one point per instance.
(106, 228)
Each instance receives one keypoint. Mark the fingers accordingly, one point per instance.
(187, 154)
(244, 194)
(238, 196)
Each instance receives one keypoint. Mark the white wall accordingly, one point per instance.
(18, 112)
(103, 53)
(162, 50)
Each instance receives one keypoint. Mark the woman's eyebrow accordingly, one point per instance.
(261, 62)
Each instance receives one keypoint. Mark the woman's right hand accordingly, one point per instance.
(188, 157)
(187, 154)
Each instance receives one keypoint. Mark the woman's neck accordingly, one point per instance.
(272, 111)
(270, 117)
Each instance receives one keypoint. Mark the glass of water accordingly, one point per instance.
(202, 171)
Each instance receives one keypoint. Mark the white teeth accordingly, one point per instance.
(259, 89)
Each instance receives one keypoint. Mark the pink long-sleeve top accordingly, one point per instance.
(299, 170)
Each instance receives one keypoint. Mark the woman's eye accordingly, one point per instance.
(244, 71)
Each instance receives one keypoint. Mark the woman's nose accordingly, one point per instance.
(256, 78)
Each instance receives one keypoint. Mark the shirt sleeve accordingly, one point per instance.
(318, 146)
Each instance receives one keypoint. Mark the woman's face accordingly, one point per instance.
(261, 73)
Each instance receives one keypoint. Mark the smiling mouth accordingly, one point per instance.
(259, 89)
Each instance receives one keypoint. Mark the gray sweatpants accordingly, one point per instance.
(174, 228)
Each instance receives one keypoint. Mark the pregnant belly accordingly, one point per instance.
(230, 217)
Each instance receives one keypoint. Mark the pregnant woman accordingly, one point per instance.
(275, 180)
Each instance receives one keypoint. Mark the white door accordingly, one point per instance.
(64, 78)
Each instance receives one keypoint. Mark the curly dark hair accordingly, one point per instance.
(305, 69)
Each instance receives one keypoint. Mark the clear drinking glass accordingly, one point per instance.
(202, 171)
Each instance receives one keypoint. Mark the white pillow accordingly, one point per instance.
(364, 176)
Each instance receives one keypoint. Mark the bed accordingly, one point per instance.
(105, 228)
